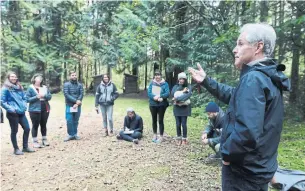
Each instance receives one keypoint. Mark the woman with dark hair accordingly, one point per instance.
(105, 95)
(181, 93)
(38, 97)
(13, 100)
(158, 92)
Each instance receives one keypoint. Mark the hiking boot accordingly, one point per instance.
(36, 144)
(18, 152)
(184, 142)
(28, 150)
(106, 133)
(135, 141)
(68, 138)
(178, 141)
(118, 137)
(45, 142)
(76, 137)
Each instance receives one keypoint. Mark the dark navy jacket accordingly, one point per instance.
(73, 91)
(135, 124)
(254, 119)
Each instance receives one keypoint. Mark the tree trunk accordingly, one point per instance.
(281, 36)
(296, 36)
(264, 11)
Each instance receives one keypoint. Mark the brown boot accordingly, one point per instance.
(184, 142)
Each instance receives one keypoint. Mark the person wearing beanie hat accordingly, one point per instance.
(181, 93)
(133, 127)
(212, 133)
(212, 107)
(158, 92)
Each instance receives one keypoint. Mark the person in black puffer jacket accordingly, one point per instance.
(73, 92)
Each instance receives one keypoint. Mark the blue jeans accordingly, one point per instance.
(181, 120)
(72, 120)
(107, 111)
(232, 182)
(130, 137)
(15, 119)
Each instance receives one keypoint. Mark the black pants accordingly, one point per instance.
(130, 137)
(181, 120)
(155, 111)
(15, 119)
(39, 119)
(232, 182)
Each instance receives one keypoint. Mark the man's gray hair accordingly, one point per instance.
(261, 32)
(130, 109)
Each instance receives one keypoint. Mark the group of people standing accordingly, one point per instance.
(14, 100)
(251, 127)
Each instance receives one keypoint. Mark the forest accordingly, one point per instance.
(135, 37)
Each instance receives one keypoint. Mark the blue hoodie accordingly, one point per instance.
(163, 90)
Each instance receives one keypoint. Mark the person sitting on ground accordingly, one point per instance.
(212, 133)
(133, 127)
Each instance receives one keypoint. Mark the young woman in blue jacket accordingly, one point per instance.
(158, 92)
(13, 100)
(38, 97)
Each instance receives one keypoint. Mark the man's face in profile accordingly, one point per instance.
(212, 115)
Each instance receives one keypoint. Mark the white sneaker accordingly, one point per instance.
(36, 145)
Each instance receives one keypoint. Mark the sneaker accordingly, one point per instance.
(155, 138)
(111, 133)
(160, 140)
(28, 150)
(135, 141)
(18, 152)
(36, 144)
(45, 142)
(214, 156)
(76, 137)
(68, 138)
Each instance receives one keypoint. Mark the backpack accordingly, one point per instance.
(289, 180)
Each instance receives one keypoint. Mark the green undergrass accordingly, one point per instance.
(291, 149)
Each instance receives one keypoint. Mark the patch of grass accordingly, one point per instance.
(292, 147)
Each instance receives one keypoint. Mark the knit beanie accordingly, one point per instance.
(212, 107)
(182, 75)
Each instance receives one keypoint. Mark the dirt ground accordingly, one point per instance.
(103, 163)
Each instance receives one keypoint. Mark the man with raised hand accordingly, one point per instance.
(254, 118)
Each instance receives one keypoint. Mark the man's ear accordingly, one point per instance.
(259, 48)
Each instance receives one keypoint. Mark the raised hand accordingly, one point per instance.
(198, 75)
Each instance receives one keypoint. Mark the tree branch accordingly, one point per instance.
(213, 27)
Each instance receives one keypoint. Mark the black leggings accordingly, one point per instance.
(155, 111)
(39, 119)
